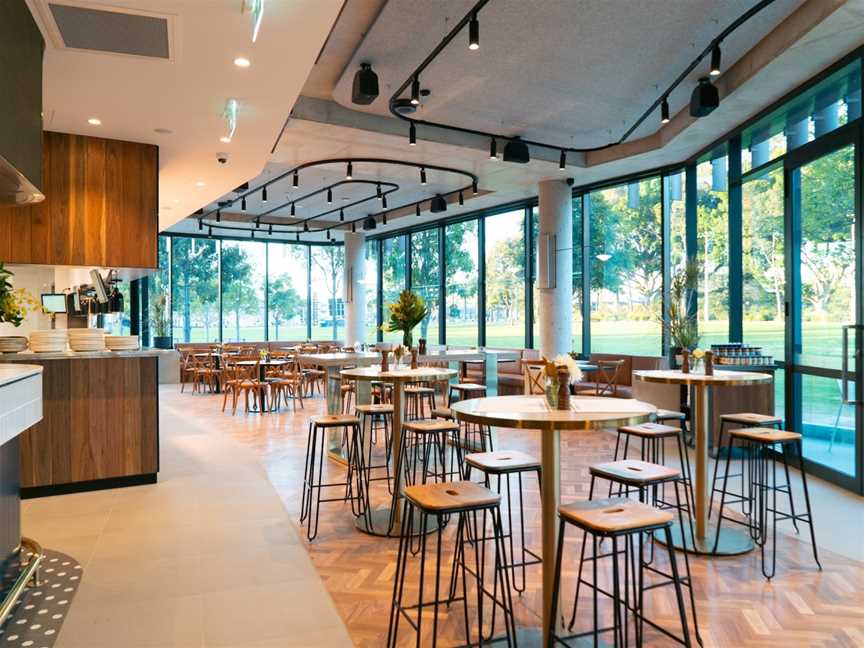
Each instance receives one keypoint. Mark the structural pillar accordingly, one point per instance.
(354, 288)
(555, 268)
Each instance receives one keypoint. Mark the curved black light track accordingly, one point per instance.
(205, 220)
(564, 149)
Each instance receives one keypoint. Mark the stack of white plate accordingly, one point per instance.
(48, 341)
(87, 339)
(121, 342)
(12, 343)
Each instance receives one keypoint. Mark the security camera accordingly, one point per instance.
(222, 158)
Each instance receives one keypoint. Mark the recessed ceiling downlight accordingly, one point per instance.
(225, 139)
(94, 121)
(242, 62)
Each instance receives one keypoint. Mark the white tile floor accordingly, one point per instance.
(207, 557)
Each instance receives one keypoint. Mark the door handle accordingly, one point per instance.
(844, 373)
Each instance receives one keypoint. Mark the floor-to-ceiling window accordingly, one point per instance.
(394, 281)
(195, 289)
(462, 252)
(576, 283)
(243, 269)
(626, 268)
(288, 286)
(712, 253)
(505, 279)
(370, 283)
(425, 280)
(325, 280)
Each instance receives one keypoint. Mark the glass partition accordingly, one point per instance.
(243, 269)
(463, 267)
(288, 283)
(195, 290)
(393, 277)
(425, 278)
(328, 307)
(505, 280)
(577, 277)
(712, 253)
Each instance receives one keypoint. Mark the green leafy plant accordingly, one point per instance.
(405, 314)
(680, 319)
(15, 304)
(159, 315)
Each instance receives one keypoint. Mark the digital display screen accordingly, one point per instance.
(54, 302)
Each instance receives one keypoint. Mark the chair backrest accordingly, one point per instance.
(534, 378)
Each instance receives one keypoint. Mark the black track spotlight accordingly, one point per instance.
(369, 223)
(341, 215)
(415, 91)
(664, 111)
(365, 88)
(218, 215)
(243, 188)
(199, 212)
(297, 237)
(295, 181)
(200, 225)
(243, 204)
(384, 218)
(270, 230)
(705, 98)
(257, 223)
(293, 210)
(384, 202)
(461, 199)
(438, 204)
(516, 151)
(252, 234)
(562, 161)
(474, 188)
(493, 149)
(264, 194)
(328, 234)
(715, 61)
(412, 135)
(422, 175)
(378, 190)
(417, 209)
(209, 232)
(329, 196)
(474, 33)
(349, 172)
(305, 227)
(354, 226)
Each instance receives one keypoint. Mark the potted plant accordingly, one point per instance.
(405, 314)
(680, 320)
(15, 304)
(159, 322)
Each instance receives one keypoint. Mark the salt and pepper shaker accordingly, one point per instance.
(385, 366)
(709, 363)
(685, 361)
(563, 388)
(413, 357)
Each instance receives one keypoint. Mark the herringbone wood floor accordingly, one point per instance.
(736, 606)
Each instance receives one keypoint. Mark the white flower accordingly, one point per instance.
(573, 369)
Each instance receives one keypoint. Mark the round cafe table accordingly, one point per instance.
(534, 413)
(386, 521)
(732, 541)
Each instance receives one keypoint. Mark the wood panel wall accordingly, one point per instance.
(100, 421)
(100, 206)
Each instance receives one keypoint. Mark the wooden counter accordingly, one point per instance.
(100, 426)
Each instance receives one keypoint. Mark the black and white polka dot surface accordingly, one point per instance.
(36, 619)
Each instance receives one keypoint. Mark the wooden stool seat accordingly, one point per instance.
(425, 426)
(375, 408)
(334, 420)
(468, 387)
(502, 461)
(416, 389)
(751, 418)
(442, 412)
(650, 430)
(614, 515)
(634, 472)
(670, 415)
(349, 387)
(765, 435)
(446, 497)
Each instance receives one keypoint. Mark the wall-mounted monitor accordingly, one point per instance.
(54, 302)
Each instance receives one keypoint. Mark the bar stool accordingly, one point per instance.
(504, 463)
(652, 438)
(418, 397)
(379, 416)
(626, 523)
(442, 413)
(465, 391)
(438, 502)
(760, 445)
(313, 482)
(644, 479)
(424, 447)
(746, 420)
(475, 438)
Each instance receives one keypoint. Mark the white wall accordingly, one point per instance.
(36, 280)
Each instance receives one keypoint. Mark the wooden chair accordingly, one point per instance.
(533, 377)
(312, 376)
(607, 378)
(288, 383)
(187, 369)
(204, 374)
(244, 379)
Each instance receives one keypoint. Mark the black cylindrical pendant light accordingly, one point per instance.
(664, 112)
(329, 196)
(252, 234)
(384, 218)
(417, 209)
(257, 223)
(305, 227)
(200, 225)
(461, 199)
(349, 173)
(493, 149)
(562, 161)
(412, 135)
(715, 61)
(384, 201)
(422, 175)
(293, 210)
(378, 190)
(415, 91)
(270, 229)
(218, 215)
(209, 232)
(474, 33)
(243, 204)
(264, 194)
(297, 237)
(295, 182)
(474, 188)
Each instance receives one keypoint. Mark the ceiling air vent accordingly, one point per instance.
(115, 32)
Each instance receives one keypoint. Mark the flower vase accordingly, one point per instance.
(550, 390)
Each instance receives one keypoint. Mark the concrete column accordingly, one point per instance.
(555, 260)
(354, 289)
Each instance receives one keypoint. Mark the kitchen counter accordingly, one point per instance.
(29, 356)
(19, 372)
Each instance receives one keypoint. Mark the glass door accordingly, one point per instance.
(823, 337)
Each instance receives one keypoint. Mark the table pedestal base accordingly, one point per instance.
(733, 542)
(380, 526)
